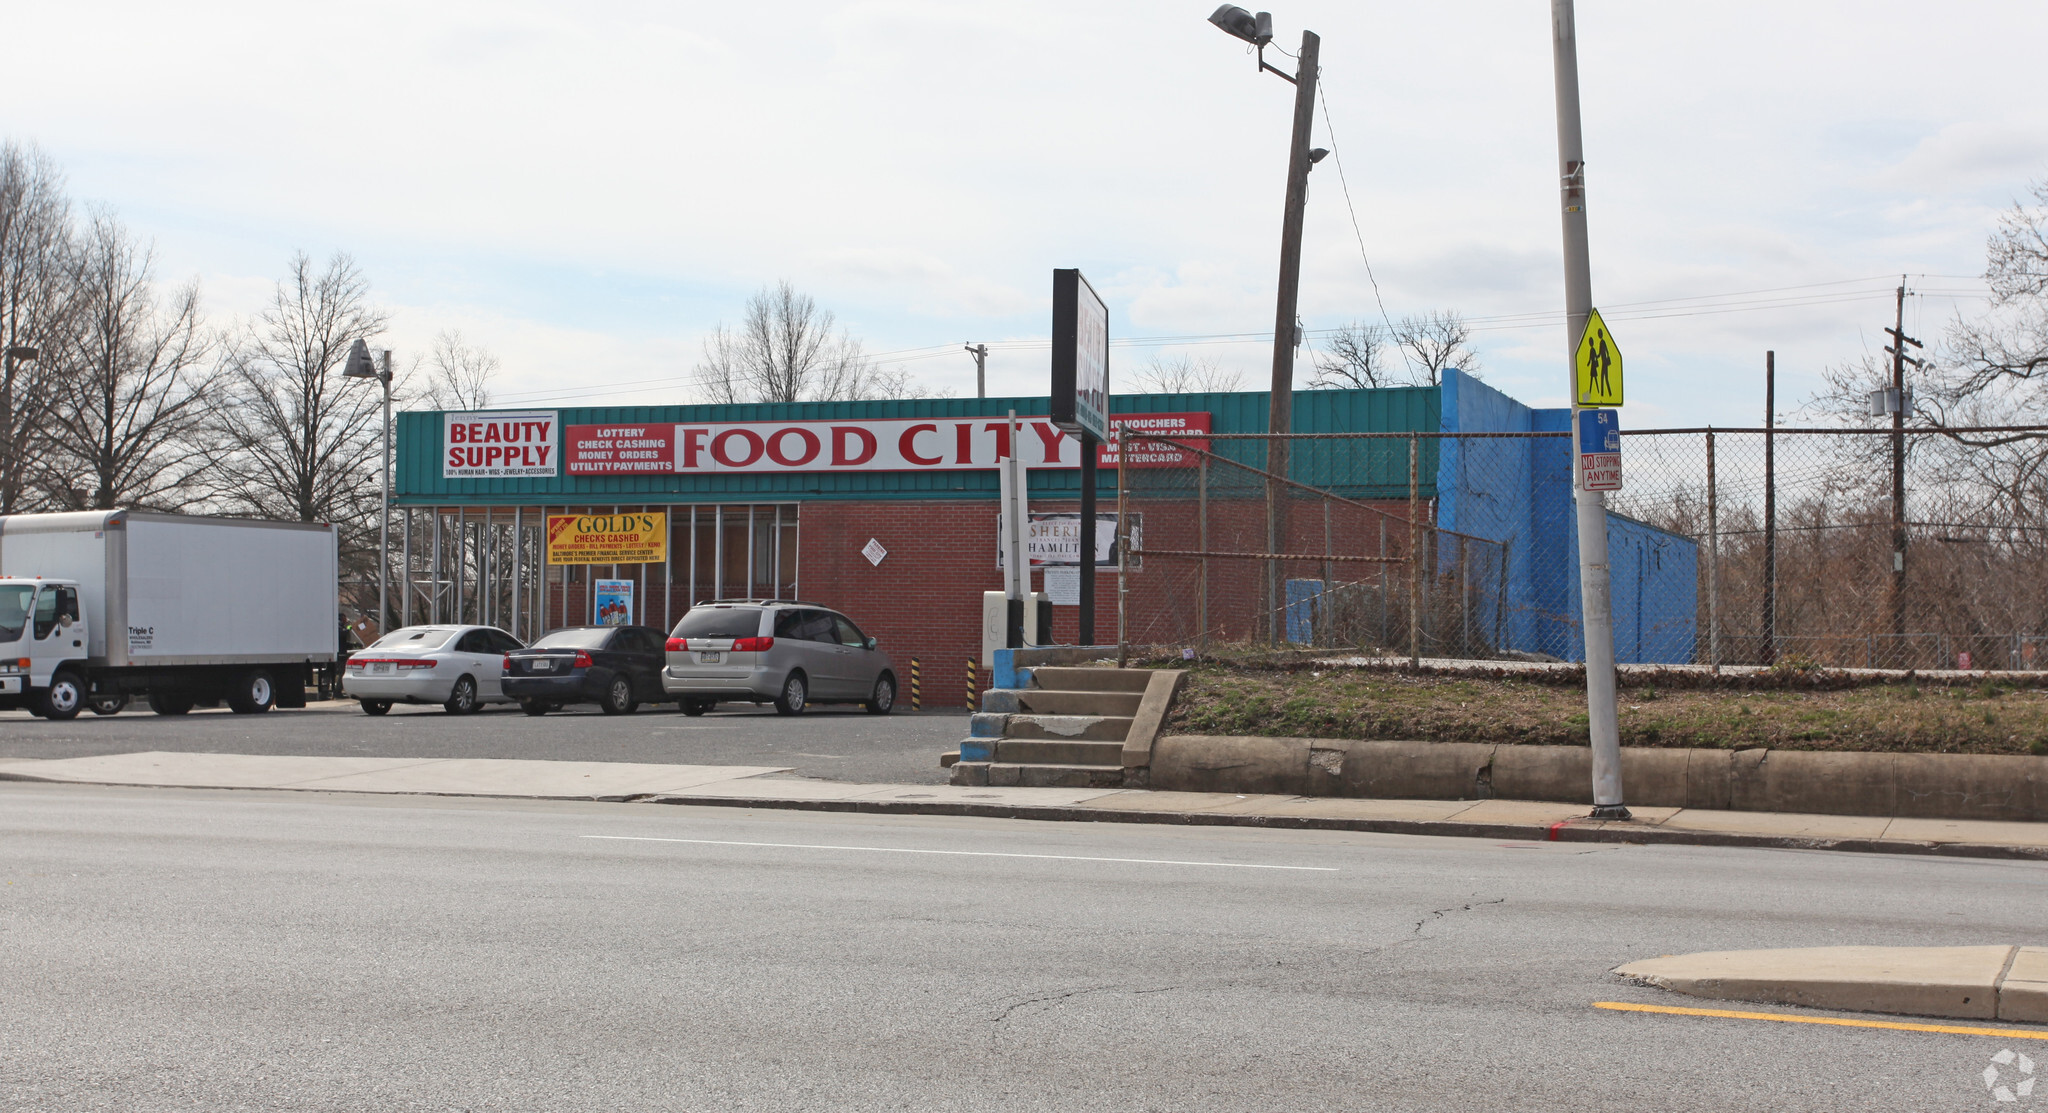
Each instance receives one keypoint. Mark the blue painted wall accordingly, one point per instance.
(1518, 491)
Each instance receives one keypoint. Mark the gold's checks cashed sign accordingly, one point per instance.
(607, 538)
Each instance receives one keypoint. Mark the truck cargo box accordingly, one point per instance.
(173, 589)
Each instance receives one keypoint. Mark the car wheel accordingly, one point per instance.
(535, 706)
(108, 705)
(462, 697)
(697, 706)
(169, 704)
(884, 699)
(252, 694)
(618, 699)
(796, 693)
(63, 699)
(376, 706)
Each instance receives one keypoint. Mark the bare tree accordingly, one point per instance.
(35, 297)
(459, 374)
(1355, 358)
(133, 394)
(1434, 341)
(290, 437)
(1185, 375)
(784, 350)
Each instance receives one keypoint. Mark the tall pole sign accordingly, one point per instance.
(1584, 331)
(1080, 400)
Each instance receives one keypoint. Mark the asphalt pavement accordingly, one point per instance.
(829, 742)
(179, 949)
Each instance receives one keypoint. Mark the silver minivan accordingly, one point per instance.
(781, 651)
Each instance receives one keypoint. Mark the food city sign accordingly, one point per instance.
(910, 444)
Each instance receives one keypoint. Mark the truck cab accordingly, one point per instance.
(43, 647)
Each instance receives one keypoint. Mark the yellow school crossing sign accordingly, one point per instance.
(1598, 364)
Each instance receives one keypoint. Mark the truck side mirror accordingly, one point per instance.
(64, 620)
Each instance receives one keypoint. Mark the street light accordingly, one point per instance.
(1258, 31)
(361, 366)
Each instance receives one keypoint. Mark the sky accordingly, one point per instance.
(588, 190)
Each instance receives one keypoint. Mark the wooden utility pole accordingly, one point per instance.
(1769, 653)
(980, 354)
(1895, 401)
(1280, 412)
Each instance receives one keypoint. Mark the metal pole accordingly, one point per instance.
(434, 582)
(1329, 575)
(405, 546)
(1898, 347)
(1202, 525)
(750, 552)
(1597, 613)
(691, 599)
(668, 568)
(384, 510)
(1087, 537)
(1713, 561)
(718, 551)
(1414, 554)
(1769, 653)
(518, 564)
(1383, 584)
(461, 560)
(1464, 597)
(1280, 404)
(1123, 555)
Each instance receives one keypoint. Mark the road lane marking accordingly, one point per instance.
(966, 853)
(1840, 1022)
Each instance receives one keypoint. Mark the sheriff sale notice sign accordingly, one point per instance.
(607, 538)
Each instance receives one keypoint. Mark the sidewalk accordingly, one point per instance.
(766, 787)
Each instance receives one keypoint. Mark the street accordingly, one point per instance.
(177, 949)
(834, 743)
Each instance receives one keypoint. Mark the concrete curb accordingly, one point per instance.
(1812, 782)
(1968, 983)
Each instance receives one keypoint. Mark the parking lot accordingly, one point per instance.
(832, 742)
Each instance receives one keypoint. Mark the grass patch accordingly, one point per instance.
(1383, 704)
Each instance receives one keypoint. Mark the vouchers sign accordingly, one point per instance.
(607, 538)
(498, 445)
(903, 444)
(619, 449)
(1186, 429)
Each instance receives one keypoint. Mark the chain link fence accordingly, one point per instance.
(1726, 547)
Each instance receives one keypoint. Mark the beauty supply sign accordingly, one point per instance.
(911, 444)
(499, 445)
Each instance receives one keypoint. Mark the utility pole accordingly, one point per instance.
(980, 354)
(1280, 415)
(1768, 655)
(1597, 605)
(1896, 403)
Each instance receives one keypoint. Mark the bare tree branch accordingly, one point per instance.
(459, 374)
(1185, 375)
(784, 350)
(35, 311)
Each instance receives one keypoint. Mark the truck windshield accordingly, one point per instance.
(15, 600)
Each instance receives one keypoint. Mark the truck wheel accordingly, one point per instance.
(63, 699)
(461, 698)
(376, 706)
(108, 705)
(796, 693)
(169, 704)
(252, 694)
(618, 699)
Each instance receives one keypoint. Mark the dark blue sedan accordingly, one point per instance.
(615, 667)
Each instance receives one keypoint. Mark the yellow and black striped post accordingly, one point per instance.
(916, 696)
(973, 686)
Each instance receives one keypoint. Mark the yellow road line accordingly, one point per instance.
(1840, 1022)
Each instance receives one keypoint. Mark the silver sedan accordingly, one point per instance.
(457, 667)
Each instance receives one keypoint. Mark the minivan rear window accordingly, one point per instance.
(575, 638)
(719, 622)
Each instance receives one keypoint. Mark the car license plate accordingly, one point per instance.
(710, 658)
(544, 665)
(381, 666)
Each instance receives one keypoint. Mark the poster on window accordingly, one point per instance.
(614, 602)
(608, 538)
(1054, 540)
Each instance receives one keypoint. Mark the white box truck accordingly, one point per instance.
(100, 606)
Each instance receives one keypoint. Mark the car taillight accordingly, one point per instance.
(417, 664)
(677, 645)
(508, 662)
(752, 645)
(583, 660)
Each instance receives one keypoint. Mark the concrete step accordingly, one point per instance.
(1005, 774)
(1091, 680)
(1063, 701)
(1024, 751)
(1070, 728)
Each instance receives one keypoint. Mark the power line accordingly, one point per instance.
(1337, 153)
